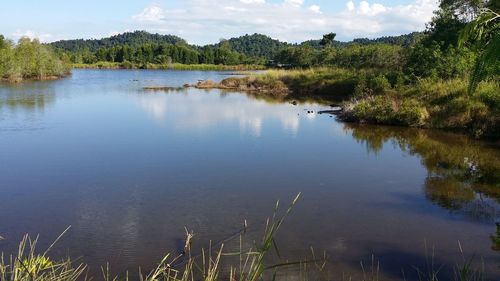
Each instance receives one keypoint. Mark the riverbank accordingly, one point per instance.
(172, 66)
(17, 79)
(368, 96)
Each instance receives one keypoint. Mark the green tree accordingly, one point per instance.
(327, 40)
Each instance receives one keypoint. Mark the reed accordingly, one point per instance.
(251, 265)
(28, 265)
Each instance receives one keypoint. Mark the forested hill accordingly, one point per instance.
(136, 38)
(400, 40)
(255, 45)
(258, 45)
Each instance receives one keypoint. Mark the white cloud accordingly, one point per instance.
(350, 6)
(152, 14)
(315, 8)
(369, 20)
(253, 1)
(234, 9)
(296, 3)
(43, 37)
(371, 10)
(202, 22)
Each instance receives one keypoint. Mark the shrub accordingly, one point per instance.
(412, 113)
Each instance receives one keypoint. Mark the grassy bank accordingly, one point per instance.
(172, 66)
(369, 96)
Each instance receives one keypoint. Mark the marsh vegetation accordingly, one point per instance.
(29, 59)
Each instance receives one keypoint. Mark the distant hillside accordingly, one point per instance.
(256, 45)
(129, 38)
(400, 40)
(252, 46)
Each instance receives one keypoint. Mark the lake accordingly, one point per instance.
(129, 168)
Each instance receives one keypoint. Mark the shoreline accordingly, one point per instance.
(423, 105)
(174, 66)
(21, 80)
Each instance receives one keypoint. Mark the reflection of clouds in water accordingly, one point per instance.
(200, 110)
(154, 105)
(291, 124)
(255, 125)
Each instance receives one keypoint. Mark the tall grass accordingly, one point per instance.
(251, 264)
(27, 265)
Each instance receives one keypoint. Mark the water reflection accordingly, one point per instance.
(129, 168)
(31, 98)
(201, 109)
(22, 106)
(462, 176)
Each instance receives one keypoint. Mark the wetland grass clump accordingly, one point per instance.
(442, 104)
(29, 265)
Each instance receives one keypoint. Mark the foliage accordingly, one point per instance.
(327, 40)
(433, 104)
(377, 56)
(484, 32)
(150, 53)
(143, 47)
(256, 45)
(29, 59)
(133, 39)
(387, 110)
(302, 56)
(432, 60)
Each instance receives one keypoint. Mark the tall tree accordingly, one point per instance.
(327, 40)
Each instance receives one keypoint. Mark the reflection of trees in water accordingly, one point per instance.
(26, 97)
(463, 175)
(496, 239)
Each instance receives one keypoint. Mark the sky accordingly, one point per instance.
(207, 21)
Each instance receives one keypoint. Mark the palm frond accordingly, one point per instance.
(486, 64)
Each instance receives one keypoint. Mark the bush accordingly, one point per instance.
(412, 113)
(29, 60)
(370, 84)
(126, 65)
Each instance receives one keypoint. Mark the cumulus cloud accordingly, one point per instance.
(369, 20)
(43, 37)
(296, 3)
(253, 1)
(152, 14)
(315, 8)
(200, 21)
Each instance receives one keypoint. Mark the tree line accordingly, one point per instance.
(29, 59)
(141, 48)
(151, 53)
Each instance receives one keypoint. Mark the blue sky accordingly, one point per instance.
(205, 21)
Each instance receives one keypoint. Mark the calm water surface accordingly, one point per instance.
(129, 168)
